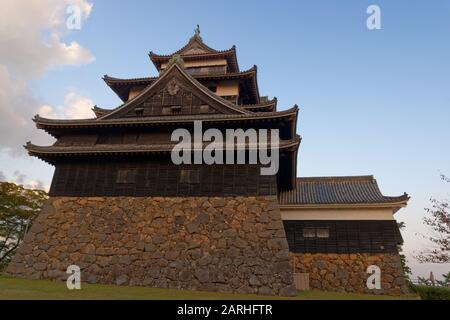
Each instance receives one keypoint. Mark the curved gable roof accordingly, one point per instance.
(176, 72)
(195, 46)
(123, 86)
(196, 49)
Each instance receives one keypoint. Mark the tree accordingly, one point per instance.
(18, 208)
(428, 282)
(406, 269)
(446, 281)
(438, 220)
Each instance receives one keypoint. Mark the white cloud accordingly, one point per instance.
(22, 179)
(32, 43)
(75, 107)
(47, 111)
(19, 177)
(31, 33)
(17, 106)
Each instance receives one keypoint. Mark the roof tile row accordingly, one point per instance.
(337, 190)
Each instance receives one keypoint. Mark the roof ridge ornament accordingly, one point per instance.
(196, 34)
(197, 30)
(175, 59)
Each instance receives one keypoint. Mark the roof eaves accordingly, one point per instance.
(190, 78)
(255, 80)
(392, 205)
(142, 120)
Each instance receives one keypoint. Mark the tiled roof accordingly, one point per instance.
(192, 41)
(44, 152)
(205, 53)
(122, 81)
(122, 86)
(337, 190)
(267, 105)
(111, 81)
(166, 118)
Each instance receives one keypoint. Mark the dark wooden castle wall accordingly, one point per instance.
(345, 236)
(106, 177)
(150, 136)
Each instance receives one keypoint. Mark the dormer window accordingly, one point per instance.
(139, 112)
(171, 110)
(175, 109)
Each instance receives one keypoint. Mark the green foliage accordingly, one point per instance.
(18, 208)
(432, 292)
(406, 269)
(424, 281)
(438, 220)
(428, 291)
(446, 281)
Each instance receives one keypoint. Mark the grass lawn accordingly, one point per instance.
(14, 288)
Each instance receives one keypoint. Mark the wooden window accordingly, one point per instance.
(309, 233)
(189, 176)
(139, 112)
(184, 176)
(209, 70)
(323, 233)
(171, 110)
(175, 109)
(126, 175)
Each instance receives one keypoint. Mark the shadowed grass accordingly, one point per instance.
(15, 288)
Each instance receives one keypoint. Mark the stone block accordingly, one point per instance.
(228, 244)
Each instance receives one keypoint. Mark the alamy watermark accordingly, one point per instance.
(374, 280)
(74, 278)
(211, 147)
(73, 21)
(373, 22)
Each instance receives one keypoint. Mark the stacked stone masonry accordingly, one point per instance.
(348, 272)
(226, 244)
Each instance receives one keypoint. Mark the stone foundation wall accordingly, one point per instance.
(230, 244)
(348, 272)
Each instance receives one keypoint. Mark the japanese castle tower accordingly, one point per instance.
(123, 212)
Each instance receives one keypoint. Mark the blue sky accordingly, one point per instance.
(371, 102)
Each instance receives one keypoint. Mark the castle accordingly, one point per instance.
(122, 211)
